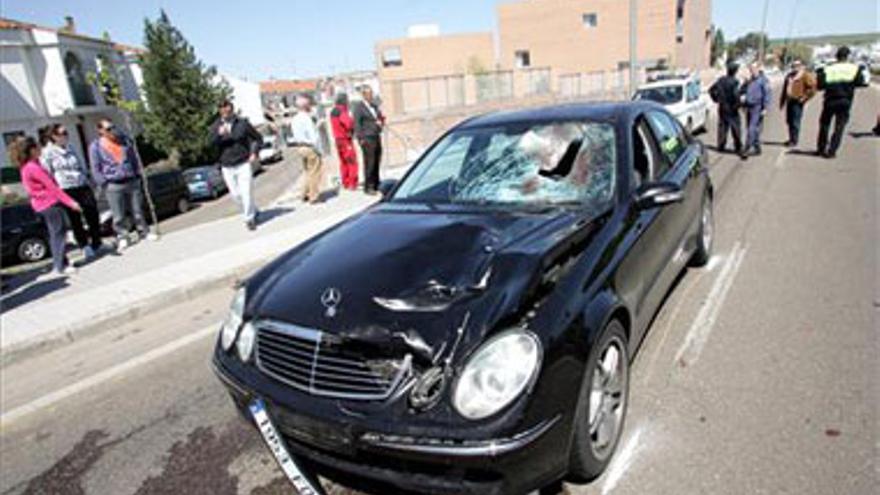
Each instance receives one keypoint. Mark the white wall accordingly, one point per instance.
(246, 97)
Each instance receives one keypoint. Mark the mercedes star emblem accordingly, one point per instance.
(331, 299)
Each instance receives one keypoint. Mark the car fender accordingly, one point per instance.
(598, 313)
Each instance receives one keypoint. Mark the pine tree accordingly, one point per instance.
(181, 94)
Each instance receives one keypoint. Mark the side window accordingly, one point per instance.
(670, 138)
(693, 92)
(646, 159)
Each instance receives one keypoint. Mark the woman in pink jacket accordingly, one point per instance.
(46, 199)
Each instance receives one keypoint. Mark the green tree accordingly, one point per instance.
(748, 44)
(181, 94)
(718, 46)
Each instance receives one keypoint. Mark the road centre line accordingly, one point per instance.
(108, 374)
(621, 461)
(698, 334)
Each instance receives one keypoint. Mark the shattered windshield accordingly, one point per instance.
(518, 165)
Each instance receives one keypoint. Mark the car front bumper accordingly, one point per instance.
(383, 463)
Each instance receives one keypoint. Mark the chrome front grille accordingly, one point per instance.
(315, 362)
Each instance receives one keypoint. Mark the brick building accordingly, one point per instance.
(569, 47)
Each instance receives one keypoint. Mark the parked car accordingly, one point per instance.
(682, 96)
(168, 190)
(204, 182)
(479, 338)
(24, 234)
(270, 150)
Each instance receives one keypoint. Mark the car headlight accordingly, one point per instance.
(497, 374)
(233, 320)
(245, 343)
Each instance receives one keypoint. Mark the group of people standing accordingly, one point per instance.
(838, 81)
(62, 188)
(238, 144)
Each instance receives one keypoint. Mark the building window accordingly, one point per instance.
(679, 22)
(391, 57)
(76, 79)
(522, 59)
(590, 20)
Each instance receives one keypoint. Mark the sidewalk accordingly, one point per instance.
(153, 274)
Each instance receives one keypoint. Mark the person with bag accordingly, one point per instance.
(117, 171)
(47, 199)
(238, 143)
(343, 131)
(797, 89)
(725, 92)
(74, 178)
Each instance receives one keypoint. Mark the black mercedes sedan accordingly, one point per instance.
(473, 331)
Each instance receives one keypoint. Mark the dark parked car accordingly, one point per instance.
(168, 190)
(25, 237)
(204, 182)
(478, 338)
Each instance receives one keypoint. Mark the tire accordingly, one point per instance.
(32, 249)
(590, 456)
(182, 205)
(705, 235)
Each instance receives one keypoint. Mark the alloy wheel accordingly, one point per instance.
(708, 227)
(32, 250)
(608, 395)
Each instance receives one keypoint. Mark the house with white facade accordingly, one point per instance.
(44, 78)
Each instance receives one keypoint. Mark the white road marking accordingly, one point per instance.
(106, 375)
(621, 462)
(702, 326)
(780, 160)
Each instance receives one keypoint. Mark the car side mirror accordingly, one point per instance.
(658, 194)
(386, 186)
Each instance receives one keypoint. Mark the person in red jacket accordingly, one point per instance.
(343, 130)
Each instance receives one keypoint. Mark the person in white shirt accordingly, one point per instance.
(306, 142)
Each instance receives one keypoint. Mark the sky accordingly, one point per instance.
(261, 39)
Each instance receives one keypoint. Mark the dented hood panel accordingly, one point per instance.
(392, 252)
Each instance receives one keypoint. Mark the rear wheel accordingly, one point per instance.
(706, 234)
(601, 406)
(32, 249)
(182, 205)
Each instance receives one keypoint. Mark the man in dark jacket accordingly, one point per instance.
(839, 81)
(756, 97)
(368, 124)
(725, 92)
(238, 143)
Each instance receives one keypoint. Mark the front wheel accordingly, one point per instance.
(182, 205)
(32, 249)
(601, 406)
(706, 234)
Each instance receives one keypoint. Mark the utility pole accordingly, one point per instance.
(633, 55)
(763, 34)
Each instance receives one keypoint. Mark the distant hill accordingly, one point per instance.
(833, 39)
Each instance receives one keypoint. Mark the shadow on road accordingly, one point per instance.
(267, 216)
(863, 134)
(32, 292)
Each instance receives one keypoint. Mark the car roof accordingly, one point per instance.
(678, 81)
(200, 168)
(604, 111)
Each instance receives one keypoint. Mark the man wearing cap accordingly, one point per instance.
(797, 89)
(839, 82)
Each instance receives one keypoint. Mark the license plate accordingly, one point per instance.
(304, 484)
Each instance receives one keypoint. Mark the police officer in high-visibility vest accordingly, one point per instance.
(839, 81)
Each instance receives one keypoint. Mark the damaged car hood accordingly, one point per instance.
(388, 274)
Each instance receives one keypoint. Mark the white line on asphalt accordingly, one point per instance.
(621, 462)
(699, 332)
(780, 160)
(104, 376)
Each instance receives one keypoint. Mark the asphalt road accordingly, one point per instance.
(758, 376)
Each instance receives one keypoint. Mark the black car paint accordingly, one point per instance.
(19, 223)
(562, 273)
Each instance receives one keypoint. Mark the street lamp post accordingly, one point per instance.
(633, 55)
(762, 34)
